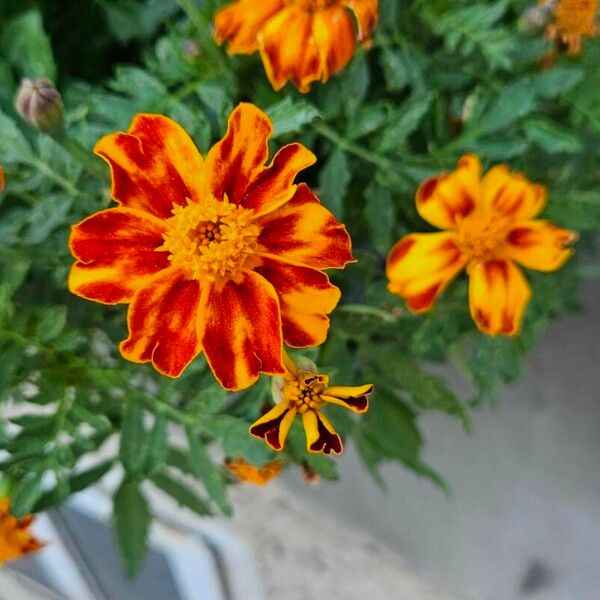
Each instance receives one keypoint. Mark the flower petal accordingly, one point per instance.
(154, 166)
(288, 49)
(498, 297)
(511, 194)
(162, 323)
(232, 163)
(421, 266)
(446, 199)
(305, 297)
(274, 427)
(274, 185)
(303, 232)
(241, 333)
(238, 23)
(335, 38)
(354, 398)
(116, 253)
(320, 435)
(367, 15)
(540, 245)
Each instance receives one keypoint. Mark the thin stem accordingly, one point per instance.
(371, 311)
(194, 15)
(88, 161)
(58, 179)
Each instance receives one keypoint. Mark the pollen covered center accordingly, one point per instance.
(481, 237)
(211, 240)
(305, 391)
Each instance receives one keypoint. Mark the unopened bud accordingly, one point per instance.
(192, 49)
(40, 104)
(535, 19)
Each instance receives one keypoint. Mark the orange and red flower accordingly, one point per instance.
(299, 40)
(16, 540)
(222, 255)
(571, 21)
(248, 473)
(304, 391)
(489, 226)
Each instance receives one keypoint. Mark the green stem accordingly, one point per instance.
(54, 176)
(194, 15)
(371, 311)
(88, 161)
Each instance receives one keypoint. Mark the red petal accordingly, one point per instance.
(306, 296)
(242, 331)
(162, 322)
(303, 232)
(116, 252)
(154, 166)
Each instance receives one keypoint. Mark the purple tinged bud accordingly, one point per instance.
(40, 104)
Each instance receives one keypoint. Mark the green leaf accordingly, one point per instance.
(291, 116)
(51, 320)
(550, 137)
(132, 449)
(334, 180)
(182, 494)
(157, 446)
(557, 81)
(27, 47)
(322, 465)
(405, 121)
(516, 101)
(131, 519)
(208, 472)
(380, 216)
(26, 493)
(14, 148)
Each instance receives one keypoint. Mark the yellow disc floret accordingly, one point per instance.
(211, 240)
(481, 237)
(304, 392)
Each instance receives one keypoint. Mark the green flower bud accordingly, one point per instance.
(40, 104)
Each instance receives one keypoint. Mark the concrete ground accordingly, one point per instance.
(524, 520)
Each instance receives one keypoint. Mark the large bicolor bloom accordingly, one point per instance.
(572, 21)
(221, 255)
(299, 40)
(16, 540)
(304, 391)
(490, 229)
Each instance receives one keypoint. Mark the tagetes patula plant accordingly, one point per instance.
(304, 391)
(222, 255)
(301, 41)
(490, 229)
(16, 540)
(247, 473)
(572, 21)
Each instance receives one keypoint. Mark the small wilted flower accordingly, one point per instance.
(40, 104)
(571, 22)
(248, 473)
(15, 539)
(303, 391)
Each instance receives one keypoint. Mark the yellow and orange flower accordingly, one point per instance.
(16, 540)
(304, 391)
(490, 226)
(222, 255)
(299, 40)
(248, 473)
(572, 21)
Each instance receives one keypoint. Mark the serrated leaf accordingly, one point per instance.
(51, 320)
(380, 216)
(133, 439)
(210, 475)
(334, 180)
(26, 493)
(291, 116)
(131, 519)
(157, 446)
(550, 137)
(516, 100)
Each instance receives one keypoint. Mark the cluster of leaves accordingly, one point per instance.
(443, 77)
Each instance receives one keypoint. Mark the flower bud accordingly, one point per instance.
(535, 19)
(40, 104)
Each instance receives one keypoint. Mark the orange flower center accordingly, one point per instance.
(213, 240)
(481, 237)
(305, 391)
(312, 5)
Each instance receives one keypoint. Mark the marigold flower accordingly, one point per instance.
(304, 391)
(15, 539)
(299, 40)
(490, 226)
(255, 475)
(221, 255)
(572, 21)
